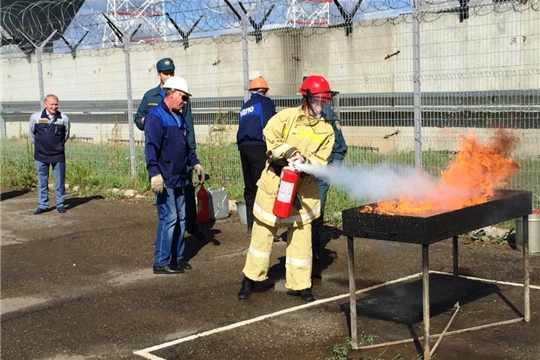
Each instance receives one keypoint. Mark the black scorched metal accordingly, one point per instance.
(505, 205)
(425, 230)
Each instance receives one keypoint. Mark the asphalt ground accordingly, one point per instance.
(79, 285)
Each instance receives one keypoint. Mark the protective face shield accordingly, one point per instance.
(318, 95)
(323, 110)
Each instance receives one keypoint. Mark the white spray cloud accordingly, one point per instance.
(376, 183)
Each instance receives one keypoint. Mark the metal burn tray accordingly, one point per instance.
(505, 205)
(425, 230)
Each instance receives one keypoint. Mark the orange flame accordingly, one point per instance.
(469, 180)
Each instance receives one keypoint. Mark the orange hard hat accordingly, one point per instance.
(258, 83)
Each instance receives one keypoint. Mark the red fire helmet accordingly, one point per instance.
(317, 87)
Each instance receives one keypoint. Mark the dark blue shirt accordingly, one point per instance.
(252, 119)
(151, 99)
(166, 146)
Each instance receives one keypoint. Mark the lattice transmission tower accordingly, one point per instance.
(125, 15)
(308, 13)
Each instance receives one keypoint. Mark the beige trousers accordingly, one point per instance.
(298, 259)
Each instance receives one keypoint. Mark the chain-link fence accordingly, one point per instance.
(412, 77)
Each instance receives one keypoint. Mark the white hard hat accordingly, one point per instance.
(177, 83)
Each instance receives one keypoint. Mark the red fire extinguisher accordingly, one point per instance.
(203, 208)
(286, 192)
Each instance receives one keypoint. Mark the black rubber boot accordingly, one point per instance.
(305, 294)
(245, 290)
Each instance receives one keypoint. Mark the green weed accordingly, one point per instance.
(341, 351)
(97, 168)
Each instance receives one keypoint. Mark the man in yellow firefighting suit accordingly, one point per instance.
(293, 136)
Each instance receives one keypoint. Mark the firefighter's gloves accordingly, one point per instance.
(157, 184)
(200, 172)
(295, 160)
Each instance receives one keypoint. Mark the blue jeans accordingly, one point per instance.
(59, 172)
(171, 211)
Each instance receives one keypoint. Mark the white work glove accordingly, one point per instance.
(200, 172)
(157, 184)
(295, 160)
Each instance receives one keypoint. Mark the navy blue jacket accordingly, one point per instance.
(252, 119)
(151, 99)
(49, 136)
(340, 147)
(166, 146)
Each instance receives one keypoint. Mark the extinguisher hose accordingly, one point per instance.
(297, 202)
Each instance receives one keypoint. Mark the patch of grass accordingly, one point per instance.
(19, 171)
(97, 168)
(221, 159)
(341, 351)
(94, 168)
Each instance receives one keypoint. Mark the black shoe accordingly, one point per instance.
(305, 294)
(167, 270)
(61, 209)
(198, 234)
(316, 256)
(182, 264)
(39, 211)
(245, 290)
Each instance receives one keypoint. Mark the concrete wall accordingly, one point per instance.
(496, 51)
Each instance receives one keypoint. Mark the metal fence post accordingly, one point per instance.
(39, 55)
(417, 85)
(127, 41)
(3, 132)
(245, 57)
(125, 35)
(245, 54)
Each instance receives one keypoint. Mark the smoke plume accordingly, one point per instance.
(377, 183)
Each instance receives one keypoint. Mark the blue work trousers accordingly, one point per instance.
(59, 173)
(171, 211)
(317, 224)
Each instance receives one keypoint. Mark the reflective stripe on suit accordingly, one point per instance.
(288, 131)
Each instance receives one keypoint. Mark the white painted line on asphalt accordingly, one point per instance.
(485, 280)
(146, 353)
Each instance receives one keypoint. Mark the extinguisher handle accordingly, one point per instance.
(206, 177)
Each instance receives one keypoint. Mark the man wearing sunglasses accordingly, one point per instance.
(168, 156)
(165, 69)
